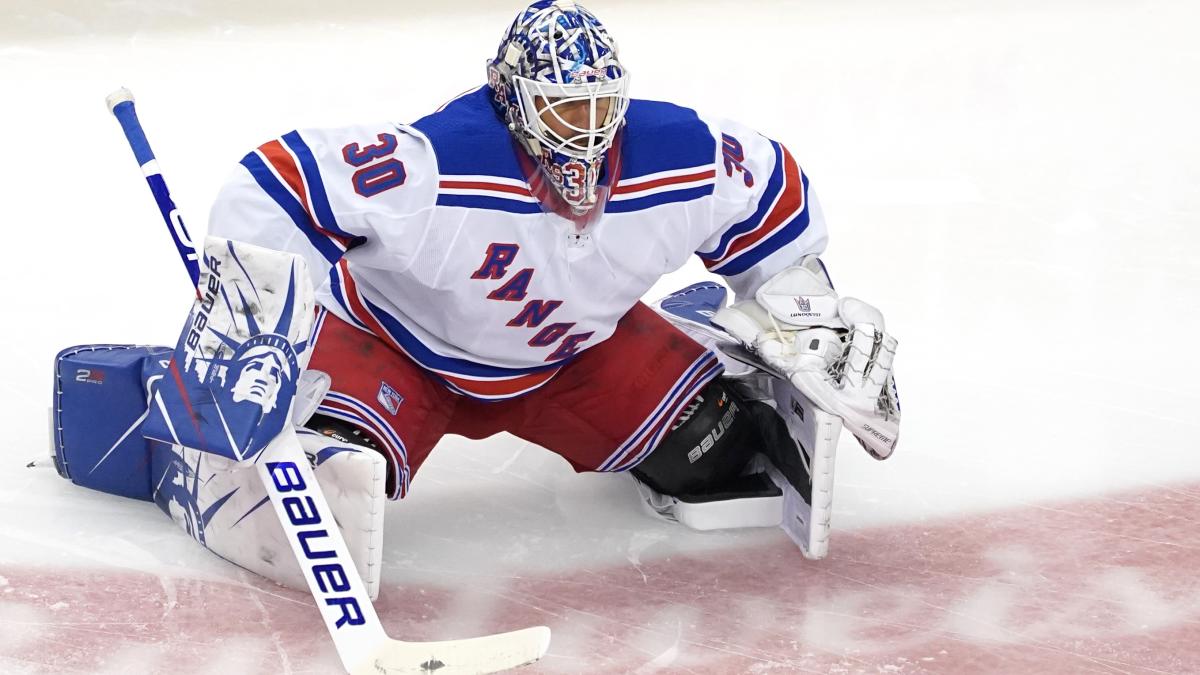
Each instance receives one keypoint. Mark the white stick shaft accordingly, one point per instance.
(361, 642)
(317, 543)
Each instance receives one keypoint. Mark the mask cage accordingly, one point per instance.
(537, 98)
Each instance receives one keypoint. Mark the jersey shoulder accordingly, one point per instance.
(468, 138)
(661, 137)
(342, 170)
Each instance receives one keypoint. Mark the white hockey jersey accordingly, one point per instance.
(428, 235)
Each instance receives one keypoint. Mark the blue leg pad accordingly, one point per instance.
(99, 407)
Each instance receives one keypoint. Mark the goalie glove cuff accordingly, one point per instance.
(744, 320)
(801, 297)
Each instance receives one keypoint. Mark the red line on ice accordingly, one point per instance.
(1106, 585)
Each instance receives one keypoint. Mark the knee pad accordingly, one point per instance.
(710, 443)
(348, 432)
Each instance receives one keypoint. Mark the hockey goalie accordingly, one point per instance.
(378, 286)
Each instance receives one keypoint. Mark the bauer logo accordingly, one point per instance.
(882, 437)
(319, 550)
(710, 440)
(584, 73)
(389, 398)
(205, 304)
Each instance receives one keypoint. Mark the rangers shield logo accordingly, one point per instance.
(389, 398)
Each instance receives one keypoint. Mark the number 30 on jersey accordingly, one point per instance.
(374, 177)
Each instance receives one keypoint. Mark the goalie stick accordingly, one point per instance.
(361, 642)
(120, 104)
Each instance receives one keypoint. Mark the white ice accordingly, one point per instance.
(1016, 185)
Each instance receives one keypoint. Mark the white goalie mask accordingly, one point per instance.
(559, 86)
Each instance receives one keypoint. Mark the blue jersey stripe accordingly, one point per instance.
(488, 203)
(774, 185)
(788, 233)
(431, 360)
(291, 206)
(316, 187)
(672, 197)
(335, 288)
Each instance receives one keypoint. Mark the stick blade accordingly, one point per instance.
(475, 656)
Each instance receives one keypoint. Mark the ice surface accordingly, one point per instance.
(1015, 186)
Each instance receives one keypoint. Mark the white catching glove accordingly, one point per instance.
(834, 350)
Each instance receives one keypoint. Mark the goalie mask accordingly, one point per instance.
(558, 85)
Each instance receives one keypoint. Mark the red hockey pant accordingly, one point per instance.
(604, 411)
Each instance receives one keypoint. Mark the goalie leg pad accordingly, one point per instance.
(100, 394)
(710, 442)
(750, 446)
(222, 504)
(804, 469)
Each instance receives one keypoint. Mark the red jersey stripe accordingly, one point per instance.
(285, 166)
(790, 202)
(669, 180)
(479, 185)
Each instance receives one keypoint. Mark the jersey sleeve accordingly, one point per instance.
(765, 216)
(328, 195)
